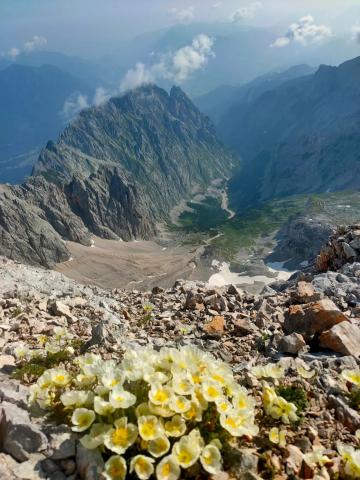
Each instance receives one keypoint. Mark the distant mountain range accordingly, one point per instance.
(32, 100)
(115, 172)
(77, 67)
(224, 98)
(299, 137)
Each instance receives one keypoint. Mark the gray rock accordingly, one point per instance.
(90, 463)
(22, 440)
(31, 469)
(62, 442)
(292, 343)
(350, 253)
(345, 414)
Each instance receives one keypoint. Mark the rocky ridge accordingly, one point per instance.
(115, 172)
(312, 321)
(301, 137)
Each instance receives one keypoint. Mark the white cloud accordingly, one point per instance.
(183, 15)
(245, 13)
(101, 96)
(137, 76)
(305, 32)
(35, 43)
(74, 105)
(13, 53)
(177, 66)
(217, 4)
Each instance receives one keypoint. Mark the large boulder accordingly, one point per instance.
(342, 338)
(313, 318)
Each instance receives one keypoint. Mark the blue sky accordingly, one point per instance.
(93, 27)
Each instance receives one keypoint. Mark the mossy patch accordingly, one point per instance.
(295, 395)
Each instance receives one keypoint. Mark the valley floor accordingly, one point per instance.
(207, 242)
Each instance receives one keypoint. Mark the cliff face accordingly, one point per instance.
(115, 172)
(301, 137)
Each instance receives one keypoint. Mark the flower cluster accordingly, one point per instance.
(155, 413)
(60, 340)
(277, 407)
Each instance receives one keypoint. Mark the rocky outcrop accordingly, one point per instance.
(300, 239)
(115, 172)
(343, 247)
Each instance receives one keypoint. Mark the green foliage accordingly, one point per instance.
(295, 395)
(146, 318)
(15, 313)
(354, 398)
(31, 370)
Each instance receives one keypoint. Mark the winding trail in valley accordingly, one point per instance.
(225, 204)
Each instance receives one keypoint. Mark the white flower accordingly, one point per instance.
(275, 371)
(76, 397)
(179, 404)
(150, 427)
(120, 438)
(82, 418)
(102, 407)
(115, 468)
(95, 437)
(120, 398)
(212, 391)
(159, 446)
(176, 427)
(305, 372)
(142, 466)
(59, 377)
(168, 469)
(211, 460)
(186, 451)
(278, 437)
(160, 394)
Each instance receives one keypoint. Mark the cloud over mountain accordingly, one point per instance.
(35, 43)
(304, 32)
(176, 66)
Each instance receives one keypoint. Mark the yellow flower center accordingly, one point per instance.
(120, 436)
(148, 429)
(231, 422)
(115, 471)
(142, 465)
(212, 392)
(166, 469)
(161, 396)
(60, 378)
(184, 457)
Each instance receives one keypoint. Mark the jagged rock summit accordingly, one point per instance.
(115, 172)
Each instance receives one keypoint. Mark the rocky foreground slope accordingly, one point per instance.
(115, 172)
(308, 328)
